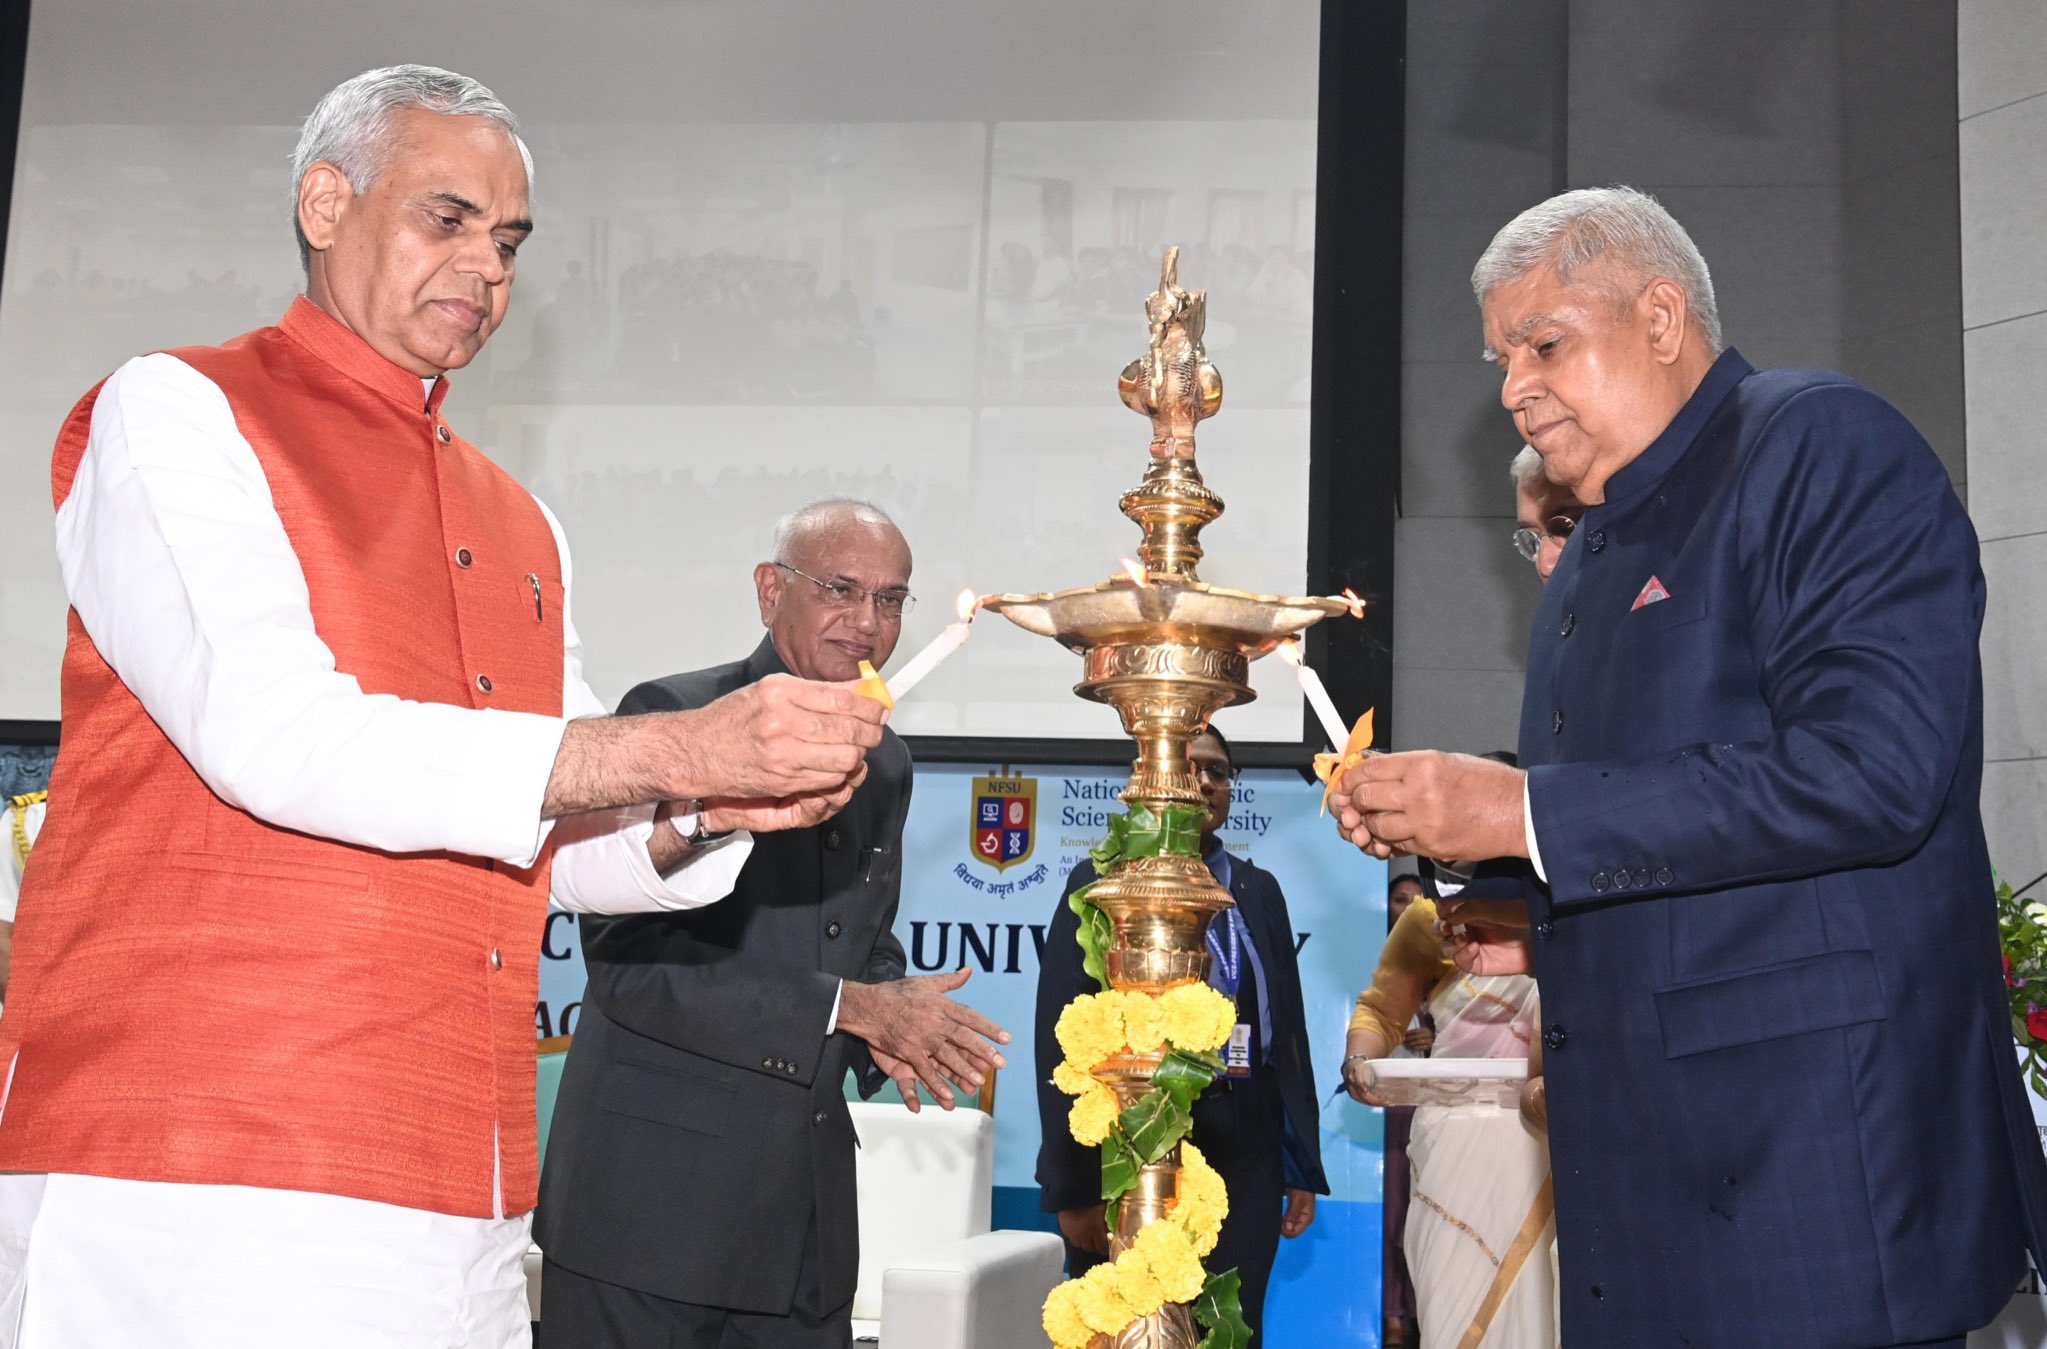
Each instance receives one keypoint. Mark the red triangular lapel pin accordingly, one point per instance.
(1651, 593)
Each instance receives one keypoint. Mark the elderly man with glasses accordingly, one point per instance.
(699, 1181)
(1544, 513)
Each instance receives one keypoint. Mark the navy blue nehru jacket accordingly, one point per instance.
(1784, 1108)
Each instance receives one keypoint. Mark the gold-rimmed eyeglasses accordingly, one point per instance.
(1528, 542)
(890, 605)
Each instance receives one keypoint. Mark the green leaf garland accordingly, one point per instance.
(1095, 933)
(1220, 1310)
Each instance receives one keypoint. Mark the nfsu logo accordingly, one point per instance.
(1004, 820)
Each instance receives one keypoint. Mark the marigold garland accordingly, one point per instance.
(1163, 1265)
(1098, 1026)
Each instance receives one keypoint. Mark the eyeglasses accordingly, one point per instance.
(1528, 542)
(1215, 772)
(889, 605)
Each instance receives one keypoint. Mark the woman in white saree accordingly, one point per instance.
(1480, 1225)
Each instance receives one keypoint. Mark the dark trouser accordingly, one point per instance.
(578, 1312)
(1237, 1126)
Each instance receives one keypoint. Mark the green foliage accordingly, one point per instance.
(1174, 831)
(2022, 930)
(1184, 1076)
(1220, 1310)
(1154, 1125)
(1158, 1121)
(1119, 1167)
(1095, 933)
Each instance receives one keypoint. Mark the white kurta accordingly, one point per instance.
(182, 574)
(29, 823)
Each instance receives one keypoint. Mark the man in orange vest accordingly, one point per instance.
(267, 1055)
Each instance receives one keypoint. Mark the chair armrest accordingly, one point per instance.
(986, 1292)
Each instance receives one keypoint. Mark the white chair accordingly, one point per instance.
(932, 1276)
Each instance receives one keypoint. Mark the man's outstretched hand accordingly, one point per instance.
(915, 1030)
(787, 748)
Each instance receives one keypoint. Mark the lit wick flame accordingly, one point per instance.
(965, 605)
(1353, 601)
(1137, 573)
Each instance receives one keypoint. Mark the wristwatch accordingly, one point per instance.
(698, 836)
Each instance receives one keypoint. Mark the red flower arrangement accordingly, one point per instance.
(2022, 927)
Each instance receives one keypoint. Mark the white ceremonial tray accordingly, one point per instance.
(1448, 1081)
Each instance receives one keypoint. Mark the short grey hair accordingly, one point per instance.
(351, 127)
(1569, 231)
(1526, 466)
(824, 513)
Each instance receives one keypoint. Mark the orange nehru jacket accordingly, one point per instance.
(200, 997)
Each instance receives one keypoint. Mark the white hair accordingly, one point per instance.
(1569, 231)
(351, 127)
(1527, 465)
(824, 513)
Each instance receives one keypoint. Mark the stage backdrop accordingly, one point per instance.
(960, 909)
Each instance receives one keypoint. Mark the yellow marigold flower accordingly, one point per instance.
(1091, 1028)
(1144, 1022)
(1101, 1306)
(1072, 1079)
(1201, 1200)
(1172, 1260)
(1092, 1115)
(1139, 1287)
(1197, 1018)
(1063, 1325)
(1199, 1180)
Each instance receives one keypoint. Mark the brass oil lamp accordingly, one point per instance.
(1167, 651)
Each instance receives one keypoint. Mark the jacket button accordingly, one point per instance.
(463, 557)
(1553, 1037)
(831, 929)
(1570, 621)
(789, 1068)
(769, 1064)
(1544, 928)
(497, 962)
(444, 433)
(1663, 876)
(818, 1118)
(1597, 541)
(1600, 880)
(1556, 721)
(1621, 879)
(483, 682)
(831, 839)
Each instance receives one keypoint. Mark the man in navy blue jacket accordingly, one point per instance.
(1258, 1127)
(1784, 1107)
